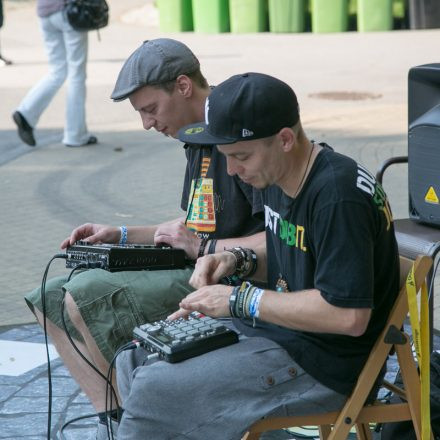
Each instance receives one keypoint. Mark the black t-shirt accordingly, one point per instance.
(222, 206)
(337, 236)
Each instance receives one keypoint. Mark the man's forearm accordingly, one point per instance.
(144, 234)
(307, 310)
(251, 242)
(141, 234)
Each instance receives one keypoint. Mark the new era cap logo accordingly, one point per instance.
(206, 111)
(246, 133)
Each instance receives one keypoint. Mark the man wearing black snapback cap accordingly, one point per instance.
(163, 81)
(330, 261)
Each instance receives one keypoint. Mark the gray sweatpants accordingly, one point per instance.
(216, 395)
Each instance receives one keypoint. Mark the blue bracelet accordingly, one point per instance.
(123, 238)
(254, 310)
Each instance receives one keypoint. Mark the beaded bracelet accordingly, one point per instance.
(123, 238)
(251, 261)
(246, 261)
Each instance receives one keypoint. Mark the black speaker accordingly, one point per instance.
(424, 14)
(424, 143)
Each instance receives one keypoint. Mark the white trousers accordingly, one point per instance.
(67, 52)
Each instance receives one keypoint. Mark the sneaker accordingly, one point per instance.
(4, 62)
(102, 433)
(25, 131)
(90, 141)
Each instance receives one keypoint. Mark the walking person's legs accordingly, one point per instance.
(76, 44)
(3, 61)
(39, 97)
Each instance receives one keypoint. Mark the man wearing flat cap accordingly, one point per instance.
(332, 271)
(163, 81)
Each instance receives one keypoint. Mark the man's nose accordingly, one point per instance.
(230, 166)
(148, 122)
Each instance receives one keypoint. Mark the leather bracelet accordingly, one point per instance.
(232, 301)
(239, 259)
(252, 263)
(202, 247)
(212, 245)
(245, 262)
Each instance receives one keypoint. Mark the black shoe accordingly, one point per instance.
(91, 141)
(25, 131)
(4, 61)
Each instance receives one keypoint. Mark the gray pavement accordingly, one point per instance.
(134, 177)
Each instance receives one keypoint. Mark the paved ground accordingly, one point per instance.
(134, 177)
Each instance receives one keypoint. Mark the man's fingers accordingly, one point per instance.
(190, 305)
(65, 243)
(199, 280)
(162, 238)
(181, 313)
(93, 238)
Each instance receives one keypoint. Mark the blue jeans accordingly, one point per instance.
(67, 52)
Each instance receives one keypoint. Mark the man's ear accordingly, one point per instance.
(288, 138)
(184, 86)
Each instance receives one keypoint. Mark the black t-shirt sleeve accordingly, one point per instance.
(343, 246)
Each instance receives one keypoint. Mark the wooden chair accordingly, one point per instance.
(414, 238)
(336, 425)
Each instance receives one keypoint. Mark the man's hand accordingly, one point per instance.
(209, 300)
(93, 233)
(177, 235)
(212, 268)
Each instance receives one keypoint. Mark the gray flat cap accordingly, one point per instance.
(154, 62)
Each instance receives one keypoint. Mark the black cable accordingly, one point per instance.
(128, 346)
(69, 337)
(430, 290)
(431, 286)
(49, 374)
(72, 342)
(87, 416)
(80, 266)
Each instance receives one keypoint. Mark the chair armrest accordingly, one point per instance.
(387, 163)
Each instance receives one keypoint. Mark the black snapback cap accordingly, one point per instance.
(244, 107)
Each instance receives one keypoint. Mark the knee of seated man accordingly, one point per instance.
(136, 373)
(72, 310)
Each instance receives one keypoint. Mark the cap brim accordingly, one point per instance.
(122, 95)
(198, 134)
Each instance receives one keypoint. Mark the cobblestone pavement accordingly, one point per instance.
(134, 177)
(24, 398)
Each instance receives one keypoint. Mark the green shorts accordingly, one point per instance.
(113, 303)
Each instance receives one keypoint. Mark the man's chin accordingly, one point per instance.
(254, 183)
(259, 185)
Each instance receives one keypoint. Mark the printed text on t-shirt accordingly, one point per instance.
(292, 235)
